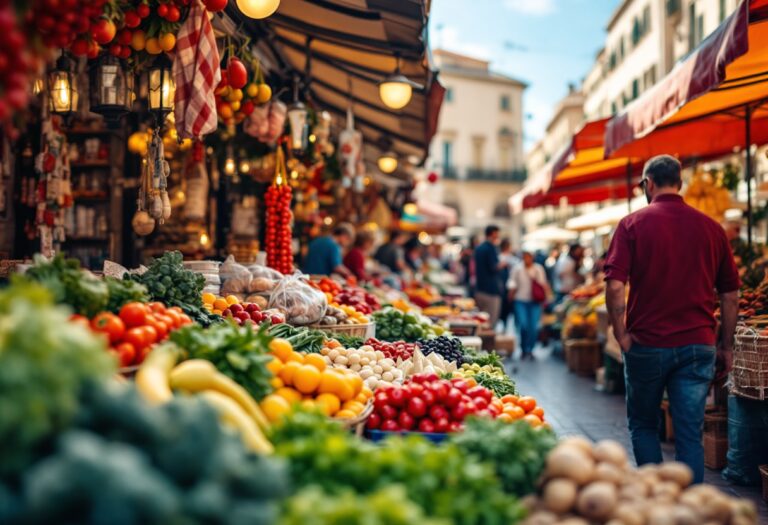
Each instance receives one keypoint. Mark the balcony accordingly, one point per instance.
(509, 176)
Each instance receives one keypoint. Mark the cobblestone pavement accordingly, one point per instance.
(573, 406)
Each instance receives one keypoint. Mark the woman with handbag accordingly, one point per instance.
(529, 289)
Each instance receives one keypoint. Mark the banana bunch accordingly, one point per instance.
(160, 375)
(471, 370)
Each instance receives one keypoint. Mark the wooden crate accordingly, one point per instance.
(716, 424)
(715, 451)
(583, 356)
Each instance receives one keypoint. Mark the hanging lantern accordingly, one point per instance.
(388, 162)
(111, 89)
(297, 116)
(396, 90)
(62, 88)
(258, 8)
(161, 88)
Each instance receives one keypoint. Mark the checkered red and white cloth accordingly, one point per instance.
(196, 73)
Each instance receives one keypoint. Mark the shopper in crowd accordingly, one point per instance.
(509, 259)
(356, 256)
(324, 253)
(414, 255)
(567, 270)
(391, 253)
(467, 261)
(673, 258)
(487, 273)
(529, 289)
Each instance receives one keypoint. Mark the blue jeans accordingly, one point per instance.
(686, 373)
(527, 316)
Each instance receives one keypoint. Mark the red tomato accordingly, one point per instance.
(428, 397)
(438, 412)
(80, 47)
(134, 314)
(173, 13)
(406, 421)
(131, 19)
(455, 426)
(480, 392)
(160, 327)
(151, 335)
(215, 6)
(417, 407)
(426, 425)
(414, 390)
(103, 31)
(162, 10)
(109, 324)
(136, 337)
(442, 425)
(81, 320)
(460, 412)
(388, 412)
(173, 319)
(481, 403)
(143, 10)
(237, 74)
(397, 397)
(390, 425)
(185, 320)
(156, 307)
(460, 384)
(126, 353)
(374, 421)
(453, 398)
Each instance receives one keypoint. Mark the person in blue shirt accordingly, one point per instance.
(324, 255)
(487, 274)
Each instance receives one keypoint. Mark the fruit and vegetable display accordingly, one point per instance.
(707, 194)
(340, 314)
(362, 301)
(301, 303)
(243, 313)
(450, 348)
(395, 325)
(371, 365)
(133, 333)
(236, 97)
(393, 350)
(278, 228)
(594, 483)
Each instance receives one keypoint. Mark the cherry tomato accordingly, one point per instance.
(134, 314)
(374, 421)
(390, 425)
(126, 353)
(162, 11)
(406, 420)
(142, 10)
(426, 425)
(173, 13)
(109, 324)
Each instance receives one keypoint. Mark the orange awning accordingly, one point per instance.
(700, 108)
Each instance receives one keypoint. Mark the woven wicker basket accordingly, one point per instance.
(357, 424)
(749, 376)
(365, 331)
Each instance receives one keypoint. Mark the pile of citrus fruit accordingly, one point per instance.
(522, 408)
(303, 379)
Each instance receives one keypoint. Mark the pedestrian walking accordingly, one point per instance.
(529, 289)
(487, 268)
(673, 257)
(567, 271)
(508, 257)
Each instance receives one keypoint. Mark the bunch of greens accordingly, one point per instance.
(395, 325)
(301, 338)
(239, 352)
(482, 358)
(499, 385)
(516, 450)
(122, 292)
(387, 506)
(69, 284)
(125, 461)
(44, 361)
(169, 282)
(442, 480)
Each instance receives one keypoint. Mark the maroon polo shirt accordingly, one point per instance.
(674, 258)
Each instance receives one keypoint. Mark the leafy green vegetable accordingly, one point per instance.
(239, 352)
(69, 284)
(516, 450)
(122, 292)
(44, 362)
(500, 386)
(387, 506)
(482, 358)
(302, 339)
(442, 480)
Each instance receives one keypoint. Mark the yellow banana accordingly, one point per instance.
(198, 374)
(233, 414)
(152, 376)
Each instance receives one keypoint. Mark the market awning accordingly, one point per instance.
(344, 48)
(431, 217)
(701, 106)
(549, 234)
(608, 216)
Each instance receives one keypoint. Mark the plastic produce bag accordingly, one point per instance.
(301, 303)
(235, 278)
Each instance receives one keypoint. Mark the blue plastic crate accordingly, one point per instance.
(378, 435)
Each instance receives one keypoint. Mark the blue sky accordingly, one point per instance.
(546, 43)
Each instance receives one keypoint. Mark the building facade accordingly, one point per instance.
(478, 148)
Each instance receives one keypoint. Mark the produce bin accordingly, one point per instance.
(583, 356)
(378, 435)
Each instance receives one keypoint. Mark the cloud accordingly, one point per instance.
(448, 38)
(531, 7)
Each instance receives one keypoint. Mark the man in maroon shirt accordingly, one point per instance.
(674, 258)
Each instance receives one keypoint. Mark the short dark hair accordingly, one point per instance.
(505, 243)
(664, 171)
(344, 228)
(491, 229)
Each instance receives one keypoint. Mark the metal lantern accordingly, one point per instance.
(62, 88)
(387, 162)
(111, 89)
(297, 116)
(396, 90)
(258, 8)
(161, 88)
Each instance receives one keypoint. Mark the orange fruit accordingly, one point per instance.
(276, 383)
(347, 391)
(138, 40)
(232, 299)
(532, 420)
(274, 365)
(345, 414)
(295, 356)
(308, 404)
(306, 379)
(539, 412)
(220, 304)
(275, 407)
(208, 298)
(496, 402)
(514, 411)
(357, 383)
(509, 398)
(315, 360)
(289, 394)
(367, 392)
(527, 403)
(353, 406)
(168, 41)
(152, 46)
(281, 349)
(329, 403)
(470, 381)
(505, 417)
(288, 371)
